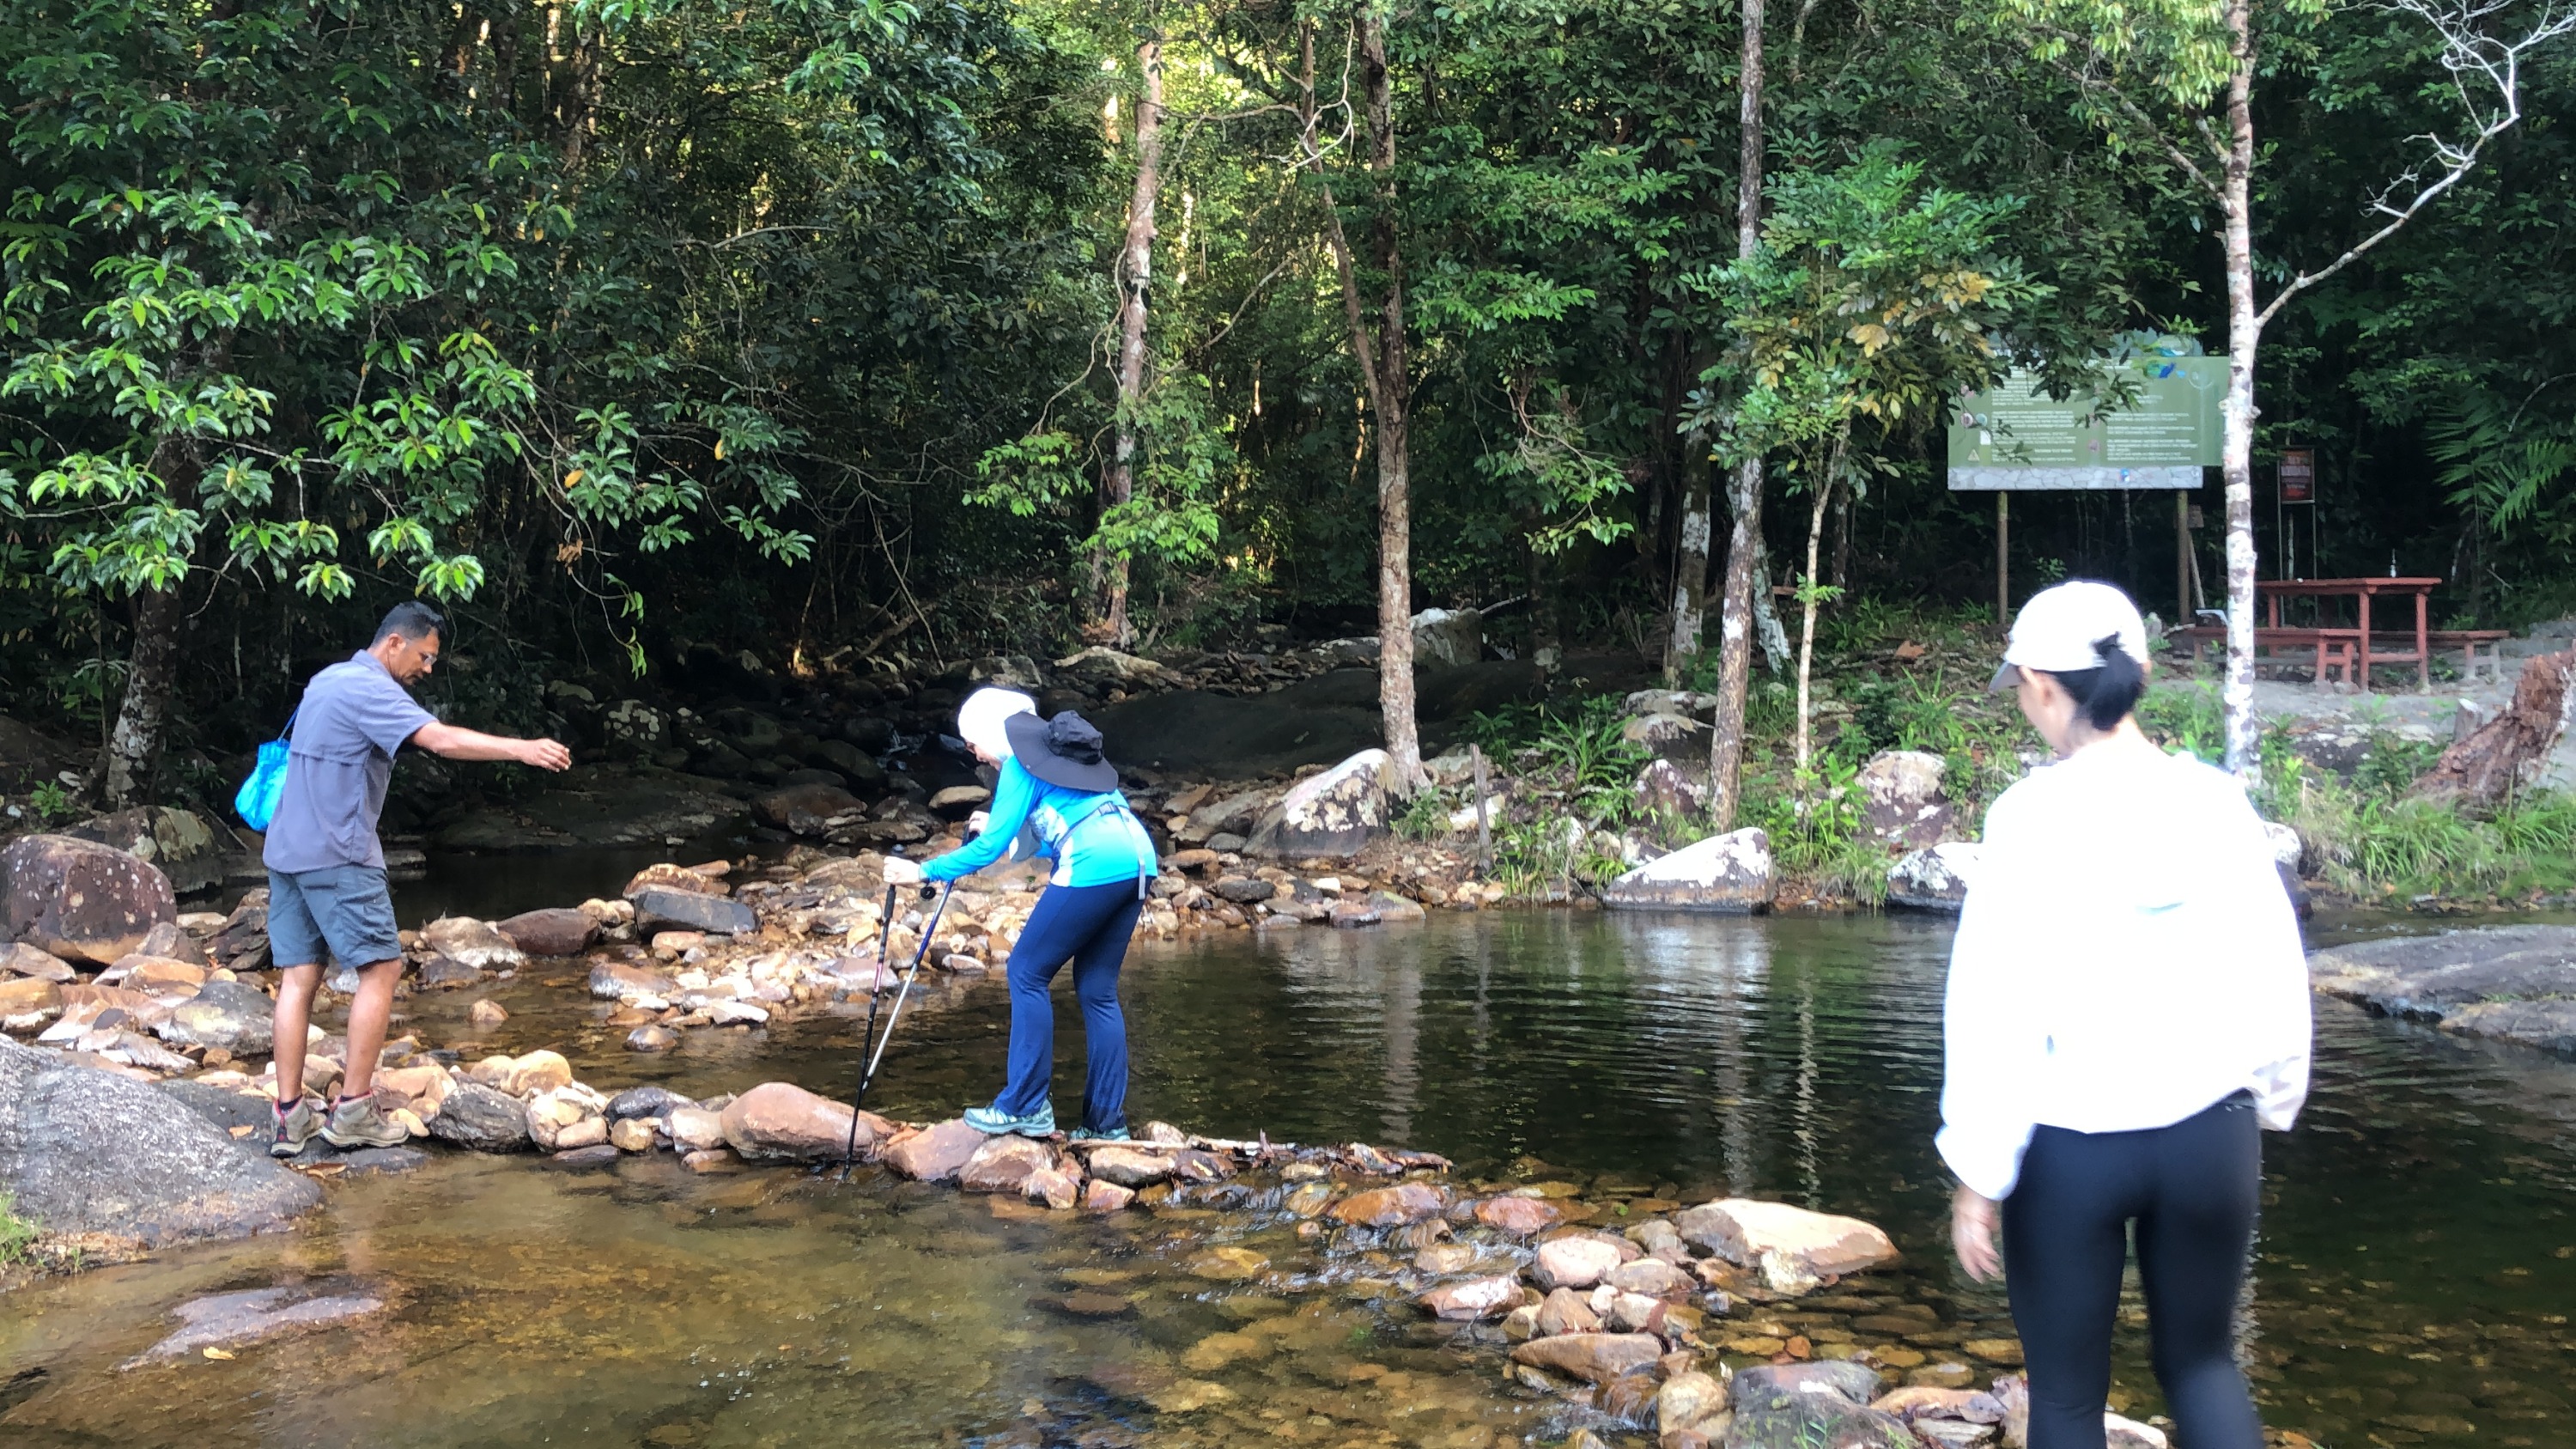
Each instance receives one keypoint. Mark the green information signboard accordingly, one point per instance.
(2013, 437)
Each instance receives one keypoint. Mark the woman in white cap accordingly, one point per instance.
(1055, 785)
(2128, 1008)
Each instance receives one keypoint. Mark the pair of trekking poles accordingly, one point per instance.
(877, 1044)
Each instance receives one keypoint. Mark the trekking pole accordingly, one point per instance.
(885, 936)
(929, 933)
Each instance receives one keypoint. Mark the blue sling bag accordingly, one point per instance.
(256, 802)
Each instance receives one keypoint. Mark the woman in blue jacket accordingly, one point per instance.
(1055, 786)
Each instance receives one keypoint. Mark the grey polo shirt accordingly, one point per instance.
(354, 716)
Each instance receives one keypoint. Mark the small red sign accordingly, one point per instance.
(2298, 475)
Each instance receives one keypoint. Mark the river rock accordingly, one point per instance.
(84, 1150)
(487, 1013)
(2508, 983)
(1654, 1278)
(80, 900)
(1130, 1166)
(1934, 878)
(935, 1153)
(1469, 1299)
(234, 1321)
(695, 1129)
(525, 1076)
(1334, 813)
(636, 1102)
(612, 980)
(806, 809)
(1228, 1265)
(1664, 790)
(1519, 1216)
(1235, 814)
(20, 959)
(1596, 1357)
(1688, 1400)
(1003, 1164)
(659, 909)
(554, 931)
(1793, 1248)
(781, 1121)
(1243, 890)
(1902, 801)
(1057, 1189)
(652, 1038)
(1565, 1311)
(1573, 1262)
(160, 975)
(28, 1002)
(231, 1015)
(669, 877)
(481, 1119)
(1106, 1197)
(1924, 1401)
(1728, 873)
(1388, 1207)
(470, 942)
(1819, 1403)
(179, 843)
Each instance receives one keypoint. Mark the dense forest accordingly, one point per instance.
(832, 329)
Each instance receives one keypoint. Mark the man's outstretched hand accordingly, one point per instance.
(545, 754)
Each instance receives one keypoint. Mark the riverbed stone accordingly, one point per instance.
(2505, 983)
(1654, 1278)
(648, 1101)
(470, 942)
(1228, 1265)
(481, 1119)
(84, 1150)
(1902, 801)
(936, 1153)
(1334, 813)
(1470, 1299)
(1565, 1311)
(667, 876)
(1594, 1357)
(80, 900)
(1389, 1207)
(1243, 890)
(1130, 1166)
(18, 959)
(1934, 878)
(1003, 1164)
(1106, 1197)
(230, 1322)
(27, 1002)
(695, 1129)
(232, 1016)
(1794, 1249)
(1519, 1216)
(657, 909)
(614, 980)
(1688, 1400)
(780, 1121)
(553, 931)
(1726, 874)
(1054, 1187)
(652, 1038)
(487, 1013)
(1820, 1403)
(1573, 1262)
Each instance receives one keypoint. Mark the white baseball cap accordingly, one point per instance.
(2062, 628)
(980, 718)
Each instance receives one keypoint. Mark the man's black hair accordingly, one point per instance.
(413, 620)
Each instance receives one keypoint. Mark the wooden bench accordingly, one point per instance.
(2330, 653)
(2479, 648)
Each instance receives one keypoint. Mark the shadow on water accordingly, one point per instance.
(2411, 1285)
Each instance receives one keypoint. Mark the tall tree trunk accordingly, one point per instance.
(1135, 274)
(1735, 615)
(133, 756)
(1690, 563)
(1807, 623)
(2244, 331)
(1394, 404)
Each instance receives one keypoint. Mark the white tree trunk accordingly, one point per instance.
(2244, 332)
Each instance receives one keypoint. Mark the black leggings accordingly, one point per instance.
(2193, 1188)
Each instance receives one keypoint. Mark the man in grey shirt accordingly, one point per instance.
(326, 869)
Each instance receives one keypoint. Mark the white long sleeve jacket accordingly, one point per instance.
(2126, 958)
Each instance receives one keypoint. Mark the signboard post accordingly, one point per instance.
(2015, 438)
(2297, 479)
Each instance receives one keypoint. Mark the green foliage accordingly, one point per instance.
(2186, 718)
(1425, 815)
(17, 1235)
(52, 803)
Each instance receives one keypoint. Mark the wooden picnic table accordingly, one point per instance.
(2273, 591)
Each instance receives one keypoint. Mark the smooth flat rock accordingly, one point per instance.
(85, 1150)
(779, 1121)
(1794, 1249)
(380, 1161)
(238, 1017)
(1389, 1207)
(1003, 1164)
(1473, 1298)
(20, 959)
(553, 931)
(235, 1321)
(1726, 874)
(937, 1152)
(2508, 983)
(601, 805)
(1595, 1357)
(469, 942)
(481, 1119)
(659, 909)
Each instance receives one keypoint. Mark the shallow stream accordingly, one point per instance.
(2417, 1264)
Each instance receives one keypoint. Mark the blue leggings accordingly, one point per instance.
(1088, 926)
(2192, 1189)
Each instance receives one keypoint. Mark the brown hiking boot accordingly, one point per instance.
(355, 1123)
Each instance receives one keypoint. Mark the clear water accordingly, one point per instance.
(2417, 1262)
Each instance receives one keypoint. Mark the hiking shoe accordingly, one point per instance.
(992, 1123)
(355, 1122)
(1114, 1134)
(295, 1127)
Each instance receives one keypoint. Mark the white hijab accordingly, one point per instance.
(979, 719)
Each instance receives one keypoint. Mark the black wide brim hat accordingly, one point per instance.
(1062, 751)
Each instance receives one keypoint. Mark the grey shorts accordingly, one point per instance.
(344, 907)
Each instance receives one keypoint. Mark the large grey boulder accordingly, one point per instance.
(87, 1151)
(481, 1119)
(1334, 813)
(1901, 797)
(80, 900)
(1805, 1405)
(2509, 983)
(1729, 874)
(662, 910)
(236, 1017)
(1934, 878)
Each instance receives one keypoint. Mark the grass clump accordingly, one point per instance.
(17, 1235)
